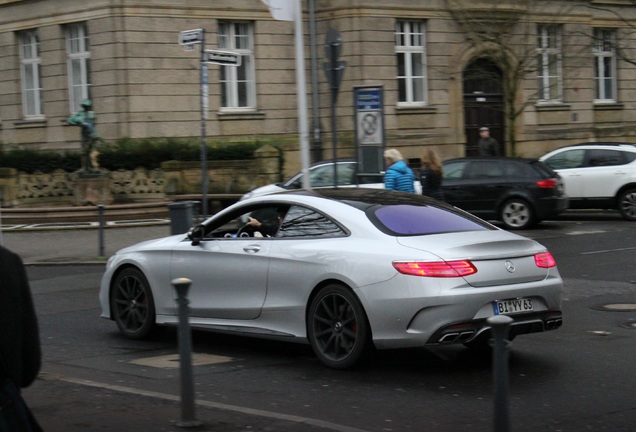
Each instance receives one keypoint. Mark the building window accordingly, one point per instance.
(78, 58)
(238, 87)
(30, 72)
(605, 65)
(549, 63)
(411, 62)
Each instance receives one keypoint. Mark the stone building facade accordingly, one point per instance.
(539, 73)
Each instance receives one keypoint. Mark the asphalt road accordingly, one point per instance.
(573, 379)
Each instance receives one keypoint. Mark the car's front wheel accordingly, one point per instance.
(517, 214)
(627, 204)
(337, 327)
(132, 305)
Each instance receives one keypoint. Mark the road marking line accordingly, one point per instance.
(573, 233)
(608, 250)
(203, 403)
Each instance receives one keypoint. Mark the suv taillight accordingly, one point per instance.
(548, 183)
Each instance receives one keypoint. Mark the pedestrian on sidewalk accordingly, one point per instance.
(431, 174)
(398, 175)
(488, 146)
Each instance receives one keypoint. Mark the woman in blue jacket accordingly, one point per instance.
(398, 175)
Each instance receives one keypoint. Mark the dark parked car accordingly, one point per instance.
(516, 191)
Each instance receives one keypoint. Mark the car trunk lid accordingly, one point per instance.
(499, 259)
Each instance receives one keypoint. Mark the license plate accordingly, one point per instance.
(507, 307)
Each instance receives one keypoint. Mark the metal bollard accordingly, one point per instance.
(500, 325)
(188, 417)
(100, 218)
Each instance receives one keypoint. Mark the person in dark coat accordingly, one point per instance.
(431, 174)
(398, 175)
(488, 146)
(19, 334)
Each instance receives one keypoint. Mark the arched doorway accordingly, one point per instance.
(483, 103)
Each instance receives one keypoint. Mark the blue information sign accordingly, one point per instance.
(369, 100)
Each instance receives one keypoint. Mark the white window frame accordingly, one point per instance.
(604, 49)
(549, 63)
(78, 60)
(238, 36)
(410, 43)
(30, 74)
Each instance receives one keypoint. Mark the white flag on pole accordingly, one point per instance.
(282, 10)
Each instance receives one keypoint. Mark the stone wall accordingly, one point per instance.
(61, 188)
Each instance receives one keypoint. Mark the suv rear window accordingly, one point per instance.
(412, 220)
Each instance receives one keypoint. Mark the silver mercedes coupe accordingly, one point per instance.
(342, 269)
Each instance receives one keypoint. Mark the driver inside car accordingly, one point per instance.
(265, 222)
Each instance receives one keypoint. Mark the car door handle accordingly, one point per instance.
(252, 248)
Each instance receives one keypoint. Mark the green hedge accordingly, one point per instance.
(128, 153)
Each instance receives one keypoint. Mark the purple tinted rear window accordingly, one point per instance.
(421, 220)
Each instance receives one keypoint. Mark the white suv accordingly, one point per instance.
(598, 175)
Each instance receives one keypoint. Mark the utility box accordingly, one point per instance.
(181, 216)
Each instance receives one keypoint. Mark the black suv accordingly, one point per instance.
(516, 191)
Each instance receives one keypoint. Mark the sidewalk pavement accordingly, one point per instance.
(63, 404)
(77, 246)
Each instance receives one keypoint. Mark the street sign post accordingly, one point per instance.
(190, 38)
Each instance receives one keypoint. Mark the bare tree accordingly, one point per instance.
(504, 32)
(623, 45)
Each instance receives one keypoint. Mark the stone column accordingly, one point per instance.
(8, 186)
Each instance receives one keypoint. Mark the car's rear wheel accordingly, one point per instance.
(627, 204)
(132, 304)
(337, 327)
(516, 213)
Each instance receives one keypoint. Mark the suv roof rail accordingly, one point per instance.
(604, 143)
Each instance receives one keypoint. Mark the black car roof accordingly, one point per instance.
(366, 197)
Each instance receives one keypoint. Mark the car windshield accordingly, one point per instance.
(412, 220)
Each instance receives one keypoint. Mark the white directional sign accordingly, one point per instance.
(224, 58)
(189, 37)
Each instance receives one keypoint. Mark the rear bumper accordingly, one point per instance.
(551, 207)
(523, 324)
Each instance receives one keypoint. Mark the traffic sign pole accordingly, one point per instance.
(335, 71)
(204, 118)
(189, 38)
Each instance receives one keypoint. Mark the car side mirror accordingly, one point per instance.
(195, 235)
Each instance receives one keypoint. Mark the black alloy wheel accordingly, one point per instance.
(337, 327)
(132, 305)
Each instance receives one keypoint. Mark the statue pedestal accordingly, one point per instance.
(92, 189)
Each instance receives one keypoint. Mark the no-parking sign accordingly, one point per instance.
(369, 118)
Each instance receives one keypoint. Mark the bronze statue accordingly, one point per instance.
(86, 120)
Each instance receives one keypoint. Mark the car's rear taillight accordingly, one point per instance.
(548, 183)
(544, 260)
(438, 269)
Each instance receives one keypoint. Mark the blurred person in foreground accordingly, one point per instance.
(431, 174)
(20, 352)
(398, 175)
